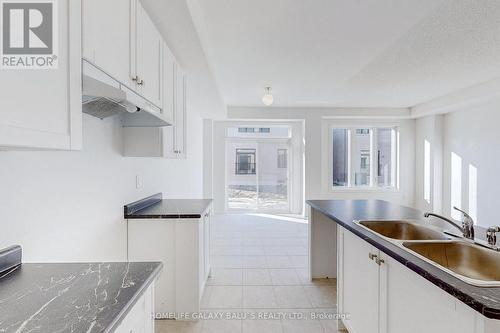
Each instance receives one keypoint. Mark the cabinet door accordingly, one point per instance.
(41, 108)
(415, 305)
(206, 243)
(180, 112)
(360, 285)
(148, 57)
(174, 144)
(168, 84)
(201, 255)
(107, 36)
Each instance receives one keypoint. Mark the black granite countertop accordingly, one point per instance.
(71, 297)
(155, 207)
(485, 300)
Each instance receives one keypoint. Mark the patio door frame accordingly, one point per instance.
(258, 141)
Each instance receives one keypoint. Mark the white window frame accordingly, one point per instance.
(427, 171)
(351, 127)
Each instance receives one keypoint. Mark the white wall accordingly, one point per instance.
(429, 128)
(315, 163)
(68, 206)
(473, 133)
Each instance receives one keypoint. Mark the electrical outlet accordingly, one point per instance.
(138, 181)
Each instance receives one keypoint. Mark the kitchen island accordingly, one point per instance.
(402, 285)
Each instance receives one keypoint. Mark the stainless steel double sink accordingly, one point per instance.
(470, 262)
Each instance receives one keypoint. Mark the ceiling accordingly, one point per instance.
(347, 53)
(173, 19)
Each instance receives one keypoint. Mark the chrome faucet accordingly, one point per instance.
(491, 236)
(467, 227)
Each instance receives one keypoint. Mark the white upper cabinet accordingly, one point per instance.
(41, 108)
(148, 57)
(169, 141)
(121, 39)
(180, 112)
(168, 84)
(106, 37)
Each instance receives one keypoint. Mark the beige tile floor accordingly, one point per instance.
(259, 280)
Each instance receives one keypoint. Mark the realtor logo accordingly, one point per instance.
(29, 34)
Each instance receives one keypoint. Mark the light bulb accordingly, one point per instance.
(268, 98)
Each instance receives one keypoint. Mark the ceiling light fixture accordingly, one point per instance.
(268, 98)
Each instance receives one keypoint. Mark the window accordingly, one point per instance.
(364, 157)
(282, 158)
(245, 162)
(456, 185)
(384, 156)
(254, 130)
(340, 153)
(473, 192)
(275, 132)
(427, 171)
(246, 129)
(361, 155)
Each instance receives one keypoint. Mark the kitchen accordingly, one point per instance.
(381, 101)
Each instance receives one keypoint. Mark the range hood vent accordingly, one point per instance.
(104, 96)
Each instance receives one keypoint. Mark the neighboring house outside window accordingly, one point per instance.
(282, 158)
(245, 162)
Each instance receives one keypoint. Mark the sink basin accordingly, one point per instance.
(403, 230)
(469, 262)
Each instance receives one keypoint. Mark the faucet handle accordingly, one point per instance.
(467, 224)
(491, 235)
(467, 219)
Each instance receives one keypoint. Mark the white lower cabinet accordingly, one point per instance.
(361, 283)
(378, 294)
(140, 318)
(413, 304)
(182, 245)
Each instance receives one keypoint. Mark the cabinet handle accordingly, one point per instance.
(138, 80)
(379, 261)
(372, 256)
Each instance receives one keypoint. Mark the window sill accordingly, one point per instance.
(361, 189)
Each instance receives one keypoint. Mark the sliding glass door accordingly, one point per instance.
(257, 175)
(273, 177)
(241, 175)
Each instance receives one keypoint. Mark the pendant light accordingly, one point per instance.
(268, 98)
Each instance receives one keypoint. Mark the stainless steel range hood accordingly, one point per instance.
(104, 96)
